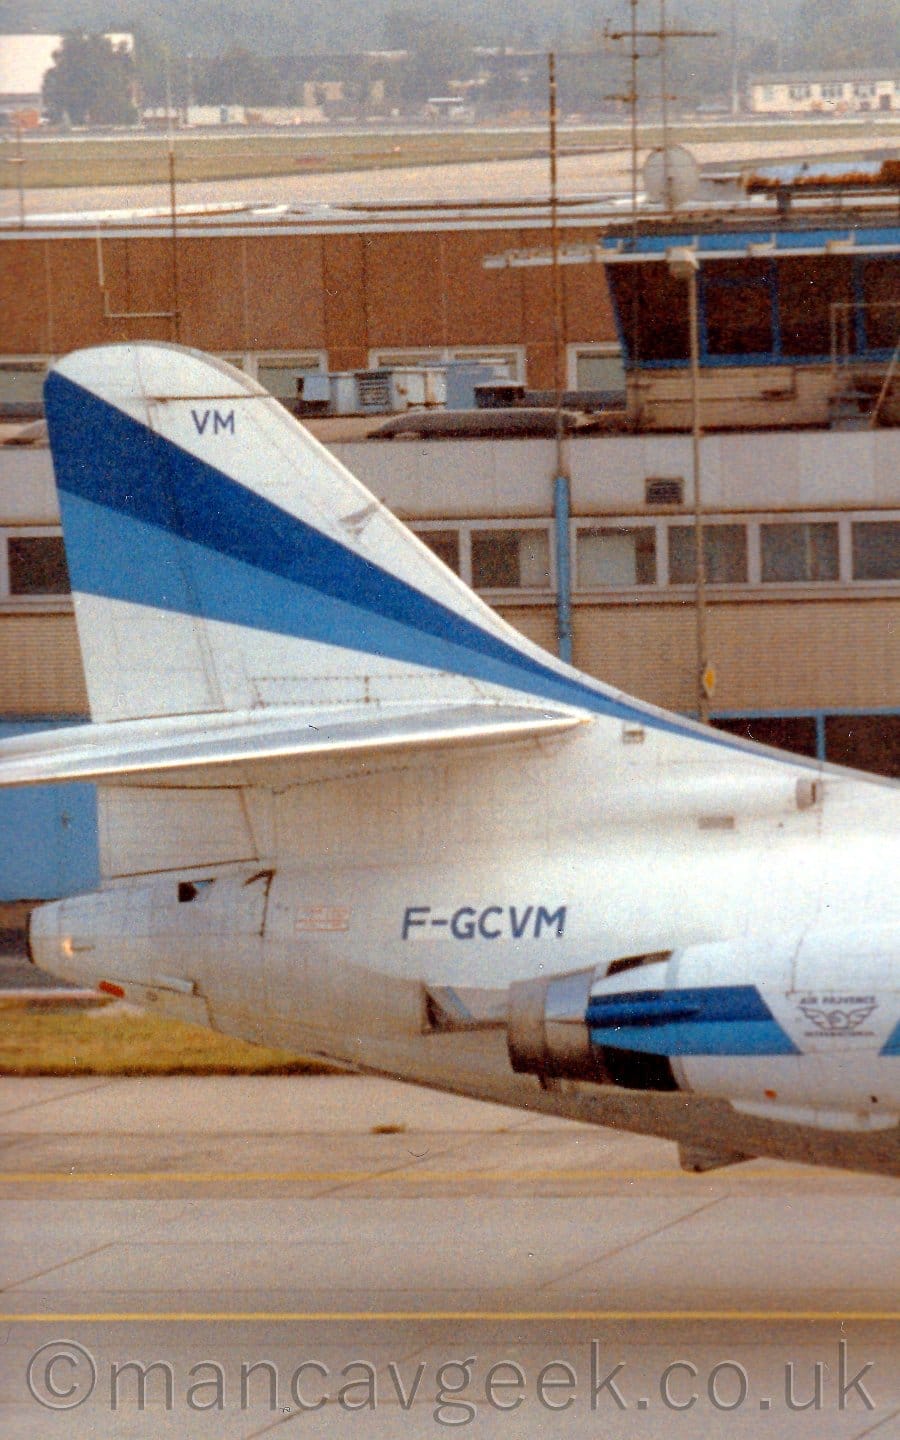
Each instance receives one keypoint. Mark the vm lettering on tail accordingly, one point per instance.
(221, 424)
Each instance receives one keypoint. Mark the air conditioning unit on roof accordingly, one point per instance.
(388, 391)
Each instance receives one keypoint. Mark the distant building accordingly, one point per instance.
(449, 107)
(284, 115)
(215, 115)
(25, 60)
(830, 92)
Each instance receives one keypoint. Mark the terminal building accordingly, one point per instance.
(797, 328)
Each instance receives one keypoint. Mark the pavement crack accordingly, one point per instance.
(56, 1099)
(633, 1243)
(879, 1424)
(369, 1177)
(71, 1260)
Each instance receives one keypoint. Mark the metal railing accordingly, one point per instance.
(856, 372)
(844, 316)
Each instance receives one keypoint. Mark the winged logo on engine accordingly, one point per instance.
(838, 1015)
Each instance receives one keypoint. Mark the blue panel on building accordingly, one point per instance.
(48, 835)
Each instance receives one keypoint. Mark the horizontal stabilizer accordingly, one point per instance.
(159, 747)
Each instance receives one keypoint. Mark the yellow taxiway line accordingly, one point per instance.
(320, 1317)
(404, 1174)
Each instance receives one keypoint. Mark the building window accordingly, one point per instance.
(646, 554)
(876, 549)
(737, 307)
(724, 549)
(832, 91)
(652, 311)
(506, 358)
(22, 386)
(807, 288)
(615, 558)
(595, 367)
(405, 359)
(865, 742)
(511, 559)
(881, 312)
(799, 92)
(511, 359)
(37, 565)
(445, 544)
(799, 552)
(796, 733)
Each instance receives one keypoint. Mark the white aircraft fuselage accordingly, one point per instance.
(400, 907)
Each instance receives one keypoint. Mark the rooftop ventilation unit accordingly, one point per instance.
(387, 391)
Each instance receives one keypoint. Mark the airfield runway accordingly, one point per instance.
(397, 1263)
(601, 172)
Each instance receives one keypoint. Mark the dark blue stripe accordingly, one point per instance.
(651, 1007)
(893, 1044)
(701, 1020)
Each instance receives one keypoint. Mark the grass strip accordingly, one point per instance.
(111, 1041)
(138, 158)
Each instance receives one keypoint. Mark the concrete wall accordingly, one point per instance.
(771, 470)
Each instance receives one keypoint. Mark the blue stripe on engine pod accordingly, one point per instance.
(145, 521)
(703, 1020)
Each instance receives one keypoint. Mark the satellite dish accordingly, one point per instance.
(671, 176)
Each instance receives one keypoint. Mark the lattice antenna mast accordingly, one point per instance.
(634, 35)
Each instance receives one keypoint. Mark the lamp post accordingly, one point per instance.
(561, 486)
(684, 265)
(735, 88)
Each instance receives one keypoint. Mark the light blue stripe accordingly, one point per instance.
(143, 565)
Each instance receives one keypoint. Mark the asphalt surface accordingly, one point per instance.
(17, 971)
(347, 1236)
(581, 174)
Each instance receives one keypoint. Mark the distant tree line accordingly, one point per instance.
(92, 82)
(494, 59)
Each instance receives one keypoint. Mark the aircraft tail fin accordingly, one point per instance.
(223, 560)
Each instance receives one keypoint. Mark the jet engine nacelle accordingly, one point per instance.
(809, 1033)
